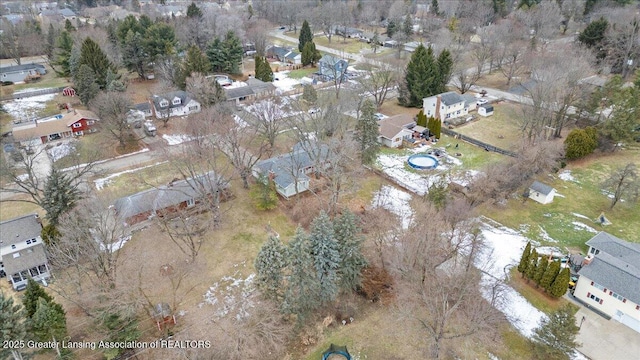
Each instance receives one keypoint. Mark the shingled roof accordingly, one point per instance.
(19, 229)
(541, 188)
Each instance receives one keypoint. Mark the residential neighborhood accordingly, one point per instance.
(310, 179)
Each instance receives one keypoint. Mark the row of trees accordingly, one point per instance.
(309, 54)
(434, 125)
(315, 267)
(545, 273)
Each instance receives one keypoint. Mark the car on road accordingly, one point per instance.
(380, 116)
(482, 102)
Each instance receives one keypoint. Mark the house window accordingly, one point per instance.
(458, 112)
(77, 125)
(33, 271)
(176, 101)
(42, 268)
(13, 246)
(78, 133)
(595, 298)
(29, 242)
(16, 278)
(164, 103)
(90, 122)
(191, 202)
(16, 254)
(193, 108)
(599, 287)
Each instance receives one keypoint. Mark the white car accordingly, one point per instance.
(380, 116)
(482, 102)
(313, 111)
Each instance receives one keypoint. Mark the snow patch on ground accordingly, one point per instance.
(580, 226)
(393, 166)
(544, 235)
(116, 245)
(580, 216)
(284, 83)
(176, 139)
(102, 182)
(105, 160)
(396, 201)
(566, 176)
(231, 296)
(27, 108)
(549, 250)
(63, 149)
(504, 247)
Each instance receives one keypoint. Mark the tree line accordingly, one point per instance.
(549, 275)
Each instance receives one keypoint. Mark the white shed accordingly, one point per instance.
(485, 110)
(541, 193)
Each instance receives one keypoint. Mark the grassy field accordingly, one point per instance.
(300, 73)
(535, 296)
(569, 219)
(501, 129)
(352, 46)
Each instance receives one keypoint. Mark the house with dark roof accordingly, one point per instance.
(445, 106)
(289, 172)
(541, 193)
(251, 89)
(284, 55)
(175, 103)
(74, 122)
(331, 67)
(165, 200)
(21, 73)
(22, 253)
(610, 279)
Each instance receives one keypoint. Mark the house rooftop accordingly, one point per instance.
(285, 166)
(391, 126)
(614, 246)
(615, 274)
(19, 229)
(36, 256)
(182, 95)
(487, 107)
(451, 98)
(8, 69)
(541, 188)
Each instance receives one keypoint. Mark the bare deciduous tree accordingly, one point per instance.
(379, 80)
(205, 90)
(111, 108)
(623, 182)
(266, 116)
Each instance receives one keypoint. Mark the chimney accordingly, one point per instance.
(75, 112)
(587, 261)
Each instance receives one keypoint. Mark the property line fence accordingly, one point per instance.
(26, 94)
(479, 143)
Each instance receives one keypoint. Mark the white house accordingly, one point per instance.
(485, 110)
(610, 279)
(445, 106)
(394, 130)
(22, 254)
(175, 103)
(541, 193)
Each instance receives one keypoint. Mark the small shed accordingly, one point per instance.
(485, 110)
(541, 193)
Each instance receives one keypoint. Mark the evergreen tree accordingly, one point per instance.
(62, 54)
(50, 46)
(195, 62)
(499, 8)
(392, 28)
(68, 26)
(305, 36)
(435, 7)
(59, 196)
(120, 327)
(555, 337)
(49, 324)
(375, 41)
(112, 32)
(524, 259)
(85, 82)
(258, 65)
(309, 54)
(301, 292)
(134, 56)
(270, 265)
(326, 257)
(49, 234)
(263, 69)
(437, 192)
(533, 265)
(215, 53)
(264, 194)
(233, 52)
(594, 34)
(421, 77)
(407, 26)
(160, 40)
(580, 143)
(114, 83)
(129, 24)
(561, 283)
(32, 294)
(309, 94)
(421, 119)
(74, 61)
(445, 69)
(349, 240)
(193, 11)
(12, 326)
(550, 275)
(92, 56)
(367, 132)
(542, 268)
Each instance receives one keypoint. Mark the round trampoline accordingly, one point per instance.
(422, 161)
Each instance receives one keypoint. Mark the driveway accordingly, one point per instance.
(603, 339)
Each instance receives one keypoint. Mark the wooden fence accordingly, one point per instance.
(476, 142)
(27, 94)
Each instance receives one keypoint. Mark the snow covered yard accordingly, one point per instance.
(176, 139)
(283, 82)
(27, 108)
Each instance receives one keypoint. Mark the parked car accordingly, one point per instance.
(380, 116)
(150, 128)
(482, 102)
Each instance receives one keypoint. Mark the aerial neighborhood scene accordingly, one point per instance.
(320, 179)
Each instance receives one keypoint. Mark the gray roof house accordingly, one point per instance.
(446, 106)
(255, 88)
(289, 171)
(175, 103)
(610, 279)
(164, 200)
(331, 67)
(278, 52)
(541, 193)
(22, 254)
(21, 73)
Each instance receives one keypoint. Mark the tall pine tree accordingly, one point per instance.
(542, 268)
(62, 54)
(32, 294)
(50, 324)
(305, 35)
(561, 283)
(86, 85)
(310, 55)
(215, 53)
(533, 265)
(263, 69)
(367, 133)
(92, 56)
(550, 275)
(445, 68)
(301, 292)
(60, 195)
(421, 76)
(352, 261)
(326, 257)
(270, 264)
(524, 259)
(555, 337)
(12, 327)
(233, 52)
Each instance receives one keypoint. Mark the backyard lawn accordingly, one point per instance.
(300, 73)
(501, 130)
(352, 46)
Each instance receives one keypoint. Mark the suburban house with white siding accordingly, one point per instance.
(175, 103)
(22, 254)
(447, 105)
(394, 130)
(610, 279)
